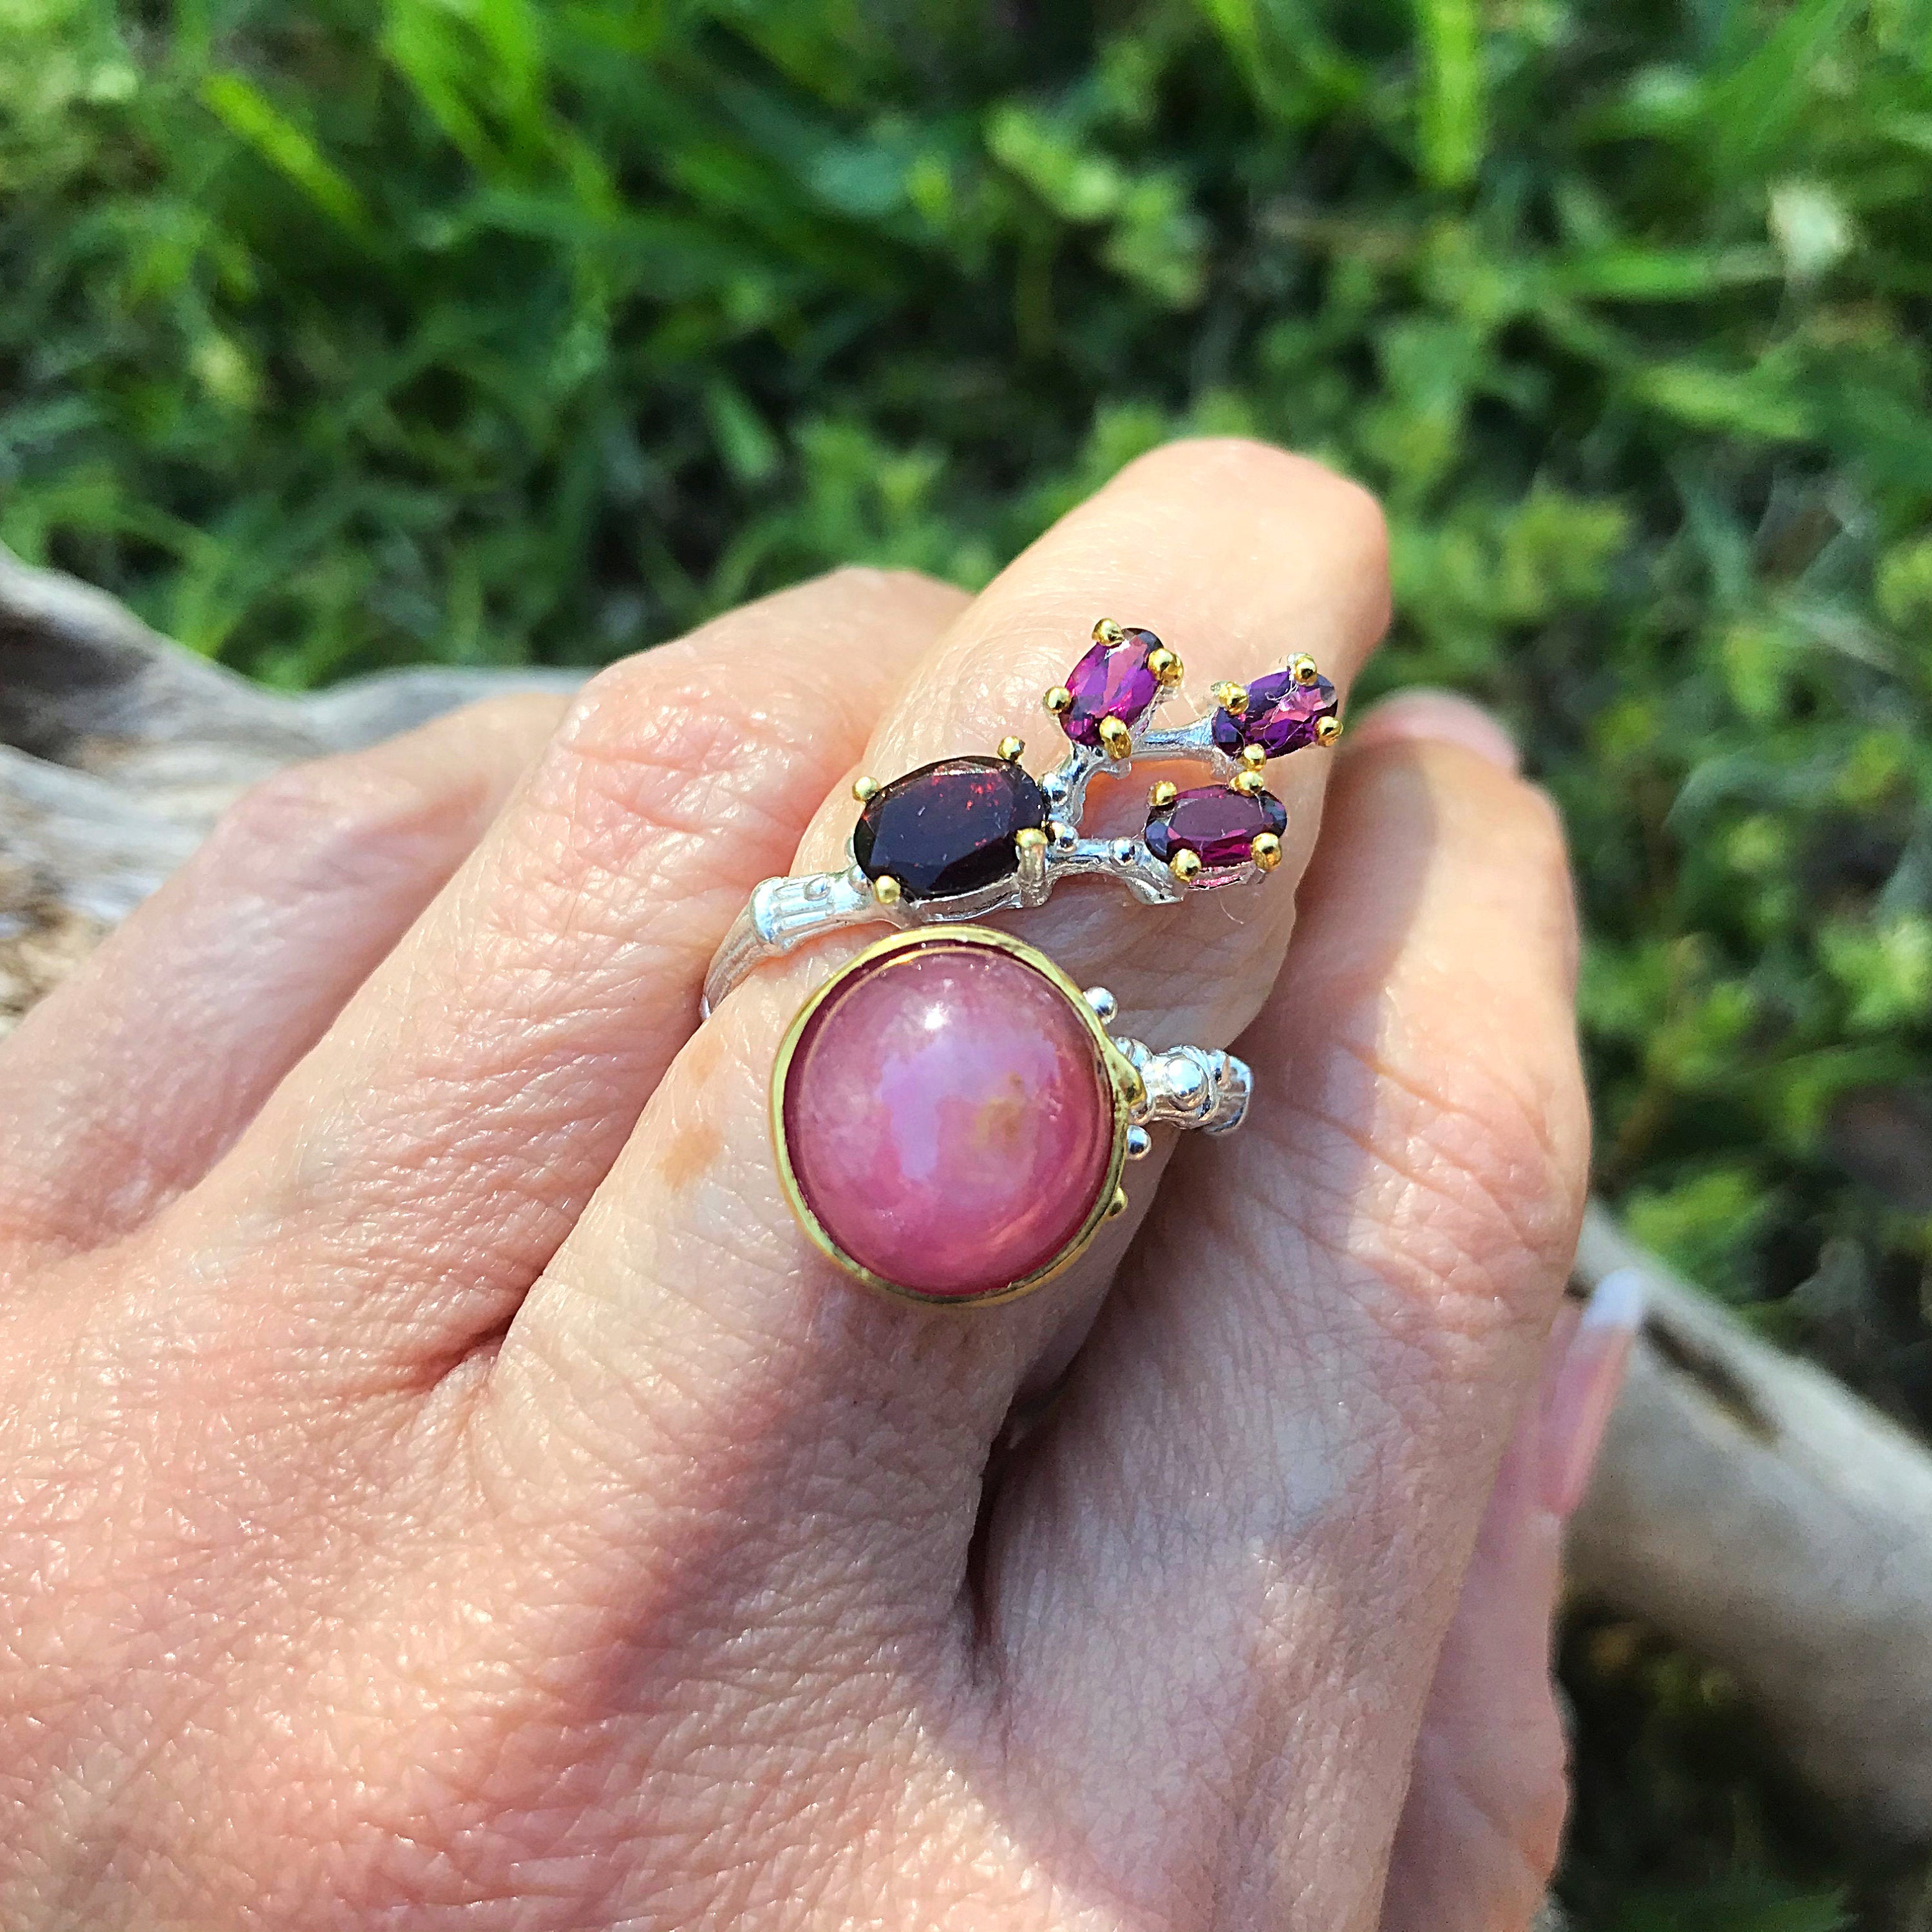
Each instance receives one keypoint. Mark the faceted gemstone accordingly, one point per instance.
(1111, 681)
(948, 828)
(948, 1118)
(1217, 823)
(1282, 715)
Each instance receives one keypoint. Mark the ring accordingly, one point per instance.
(951, 1117)
(967, 836)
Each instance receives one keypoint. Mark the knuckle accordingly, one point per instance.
(663, 717)
(1504, 1124)
(659, 744)
(1508, 1160)
(312, 821)
(1477, 1173)
(617, 688)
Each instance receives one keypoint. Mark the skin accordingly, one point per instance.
(439, 1485)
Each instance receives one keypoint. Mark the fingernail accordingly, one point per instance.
(1441, 718)
(1586, 1388)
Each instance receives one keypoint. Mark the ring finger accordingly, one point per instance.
(687, 1323)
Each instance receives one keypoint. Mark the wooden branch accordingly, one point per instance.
(1748, 1505)
(1754, 1509)
(118, 750)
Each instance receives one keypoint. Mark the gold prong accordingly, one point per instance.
(1327, 730)
(1232, 698)
(1265, 851)
(1030, 838)
(1116, 740)
(1118, 1205)
(1163, 794)
(887, 890)
(1185, 866)
(1302, 666)
(1253, 757)
(1252, 783)
(1058, 700)
(865, 790)
(1010, 749)
(1106, 631)
(1166, 666)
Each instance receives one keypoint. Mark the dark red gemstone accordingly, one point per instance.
(1217, 823)
(948, 828)
(1111, 681)
(1283, 715)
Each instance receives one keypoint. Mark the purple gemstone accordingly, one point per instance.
(948, 828)
(1282, 715)
(1111, 681)
(1217, 823)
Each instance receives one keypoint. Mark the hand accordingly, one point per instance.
(438, 1486)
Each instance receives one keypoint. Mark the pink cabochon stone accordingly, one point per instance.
(948, 1118)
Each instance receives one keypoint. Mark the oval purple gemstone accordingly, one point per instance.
(1217, 823)
(1111, 681)
(1282, 715)
(948, 828)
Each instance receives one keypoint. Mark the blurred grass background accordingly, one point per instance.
(350, 332)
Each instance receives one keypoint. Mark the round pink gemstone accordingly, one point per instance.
(1111, 681)
(948, 1118)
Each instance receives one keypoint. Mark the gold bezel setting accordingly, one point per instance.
(1125, 1087)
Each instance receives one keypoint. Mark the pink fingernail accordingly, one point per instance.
(1586, 1388)
(1438, 717)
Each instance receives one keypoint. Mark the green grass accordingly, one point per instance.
(346, 333)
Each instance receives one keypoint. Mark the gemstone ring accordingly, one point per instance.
(952, 1116)
(966, 836)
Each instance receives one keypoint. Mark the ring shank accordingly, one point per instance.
(783, 913)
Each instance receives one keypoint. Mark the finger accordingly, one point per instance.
(1482, 1824)
(1237, 555)
(1421, 716)
(690, 1279)
(123, 1087)
(1268, 1471)
(1483, 1819)
(416, 1173)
